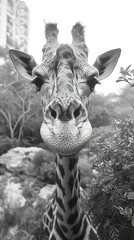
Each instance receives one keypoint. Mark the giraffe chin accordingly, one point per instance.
(65, 138)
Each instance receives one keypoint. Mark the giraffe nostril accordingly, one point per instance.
(77, 112)
(53, 113)
(56, 111)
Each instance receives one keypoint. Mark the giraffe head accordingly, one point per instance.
(65, 81)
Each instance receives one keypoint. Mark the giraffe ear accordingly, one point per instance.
(23, 62)
(106, 62)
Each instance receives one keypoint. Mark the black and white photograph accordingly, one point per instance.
(66, 120)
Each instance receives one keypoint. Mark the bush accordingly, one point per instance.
(7, 143)
(100, 110)
(112, 192)
(45, 166)
(25, 221)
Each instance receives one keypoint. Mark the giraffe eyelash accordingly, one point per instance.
(92, 82)
(38, 82)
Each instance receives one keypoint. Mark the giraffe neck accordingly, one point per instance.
(64, 218)
(67, 188)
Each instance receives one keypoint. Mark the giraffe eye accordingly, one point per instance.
(38, 82)
(92, 82)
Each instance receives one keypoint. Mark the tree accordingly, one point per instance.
(24, 106)
(100, 110)
(18, 105)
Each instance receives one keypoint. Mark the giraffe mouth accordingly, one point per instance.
(66, 138)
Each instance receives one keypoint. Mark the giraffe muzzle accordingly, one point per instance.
(64, 113)
(66, 129)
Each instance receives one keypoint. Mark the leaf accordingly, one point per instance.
(130, 195)
(128, 67)
(122, 69)
(120, 79)
(121, 210)
(125, 71)
(128, 212)
(128, 74)
(114, 233)
(132, 71)
(133, 221)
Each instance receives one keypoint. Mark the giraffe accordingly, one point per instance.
(65, 81)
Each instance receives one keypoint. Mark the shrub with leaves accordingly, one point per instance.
(44, 166)
(112, 193)
(127, 75)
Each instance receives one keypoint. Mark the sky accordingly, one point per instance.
(108, 24)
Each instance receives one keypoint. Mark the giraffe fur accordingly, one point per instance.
(73, 221)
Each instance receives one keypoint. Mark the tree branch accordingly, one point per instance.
(4, 114)
(10, 84)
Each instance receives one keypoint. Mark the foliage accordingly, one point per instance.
(20, 109)
(112, 192)
(25, 223)
(45, 166)
(127, 75)
(6, 143)
(100, 110)
(124, 107)
(126, 99)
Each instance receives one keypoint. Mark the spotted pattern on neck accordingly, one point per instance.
(64, 219)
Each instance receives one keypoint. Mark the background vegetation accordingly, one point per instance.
(110, 183)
